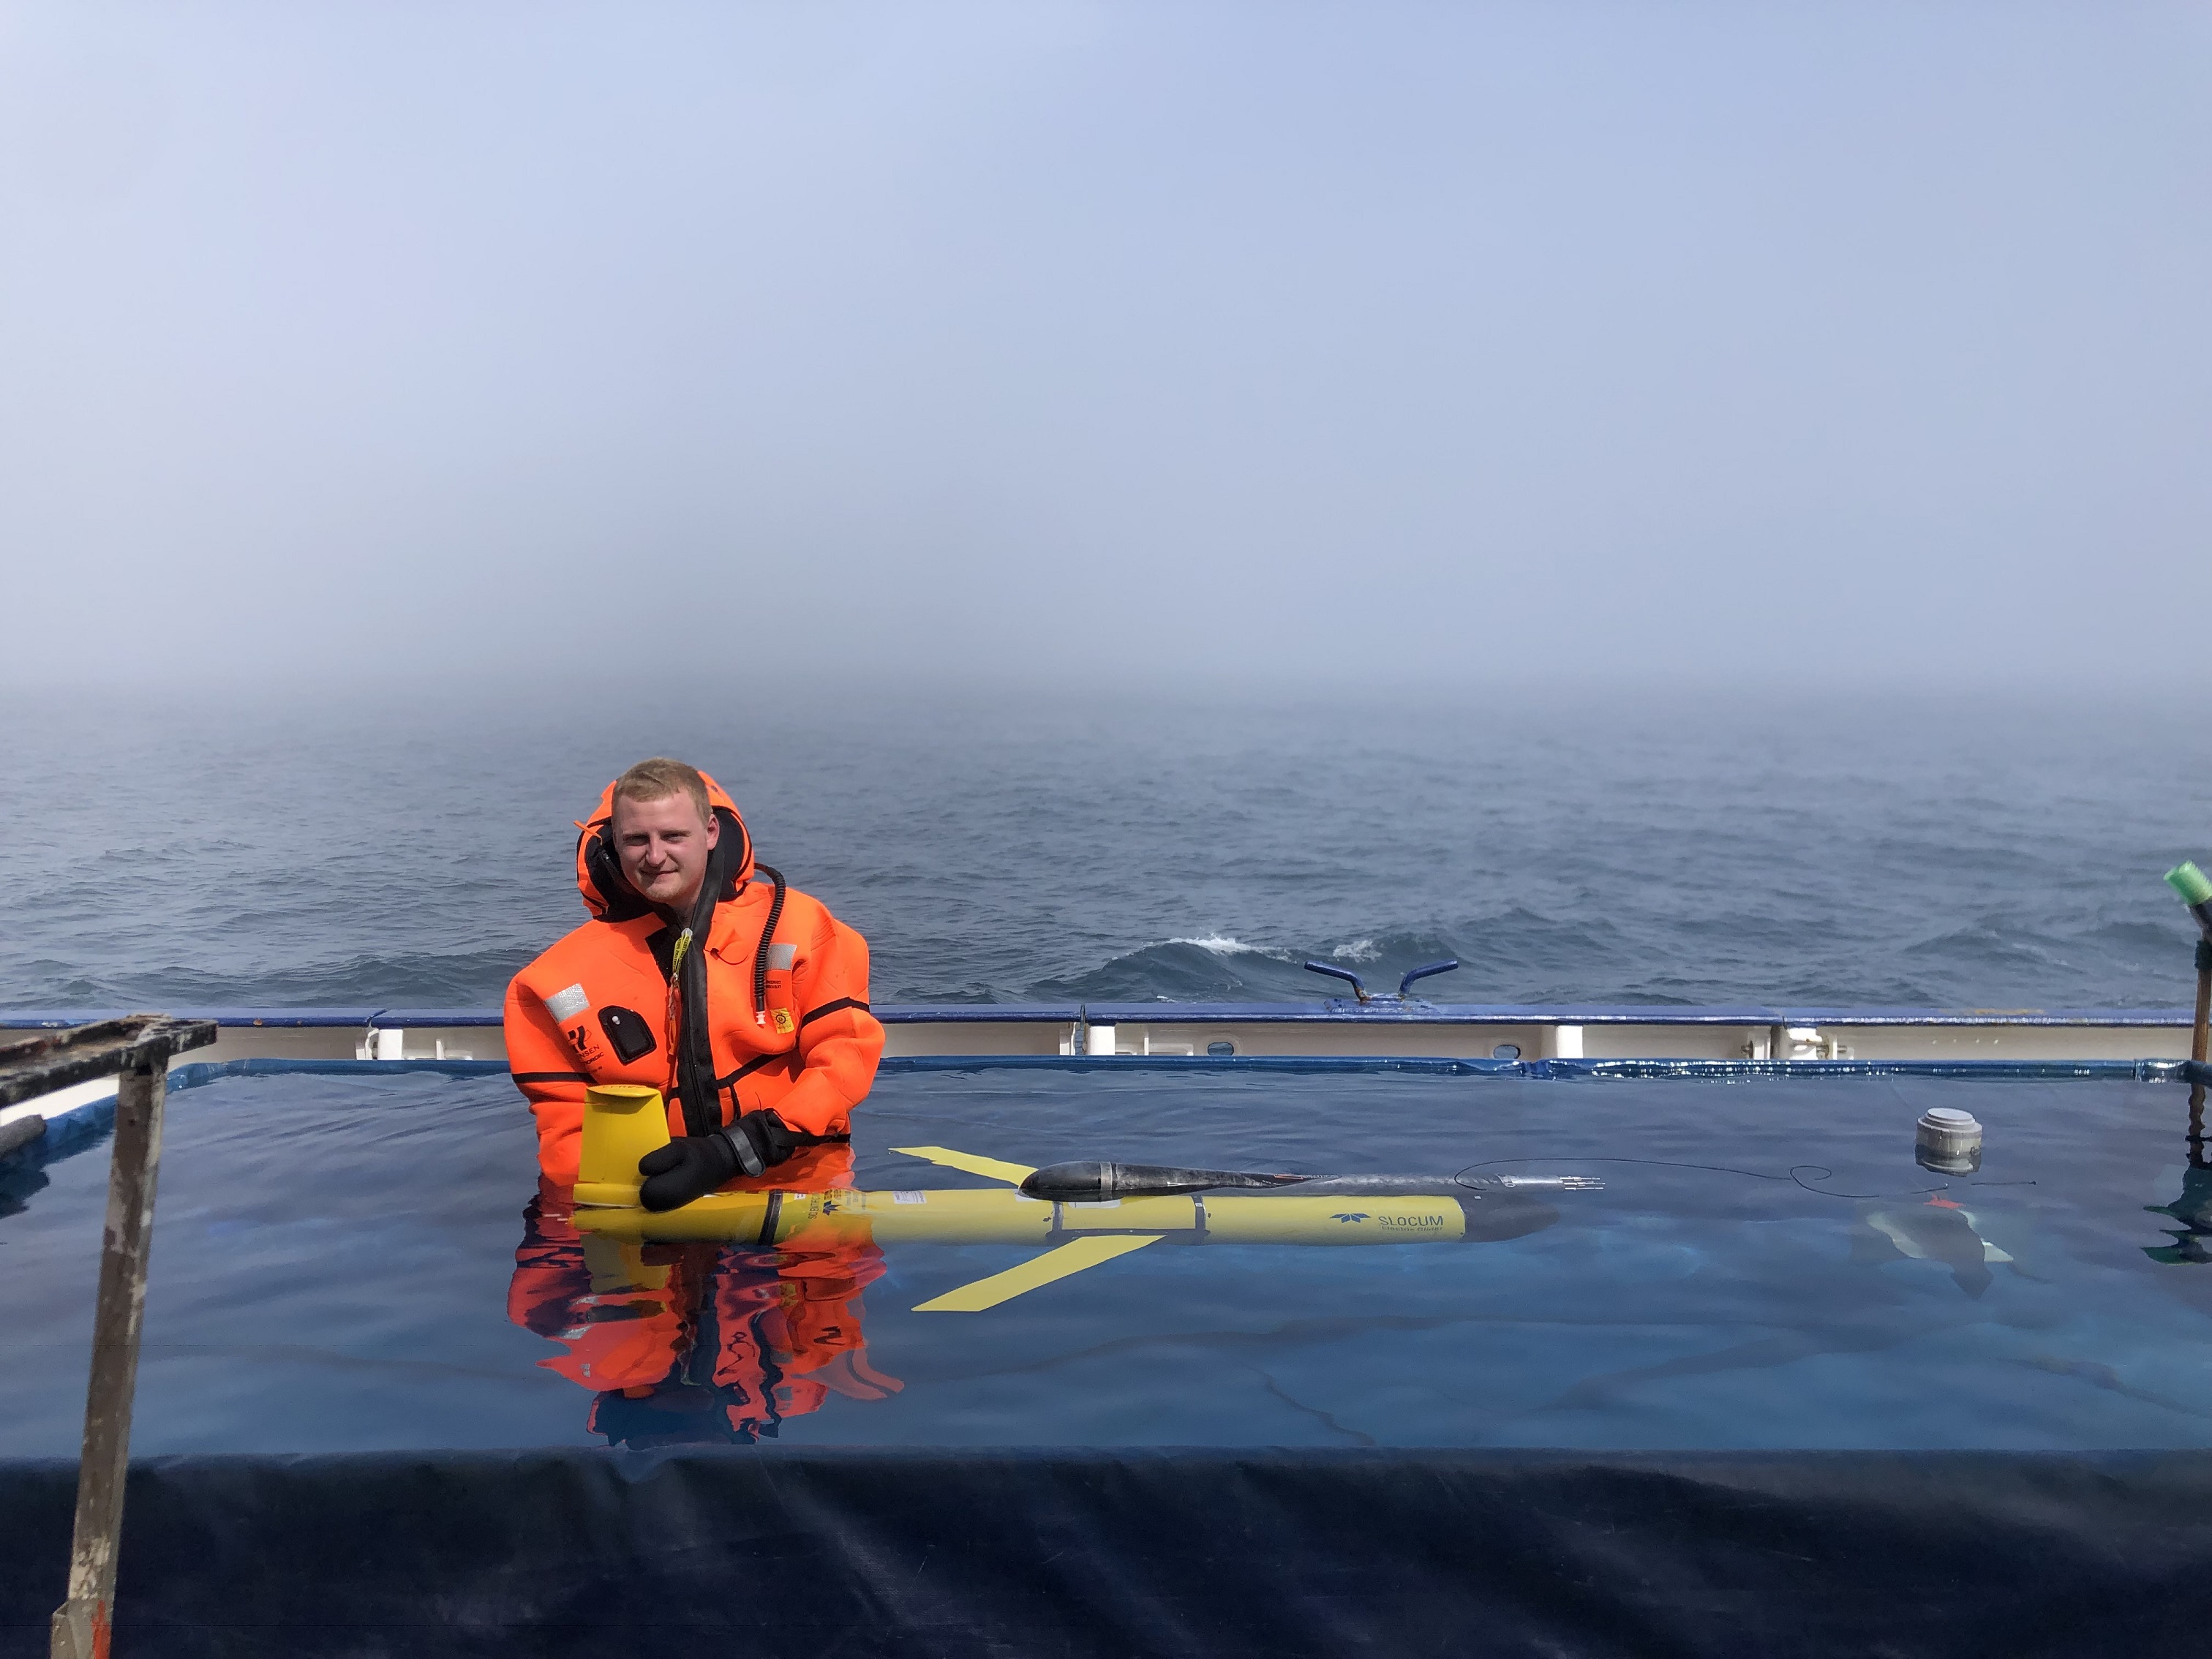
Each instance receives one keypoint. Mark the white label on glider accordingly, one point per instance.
(565, 1005)
(909, 1198)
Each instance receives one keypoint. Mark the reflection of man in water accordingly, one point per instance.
(691, 1342)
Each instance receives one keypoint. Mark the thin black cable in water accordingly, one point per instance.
(1827, 1174)
(1797, 1173)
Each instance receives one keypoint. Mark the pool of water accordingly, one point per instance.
(350, 1262)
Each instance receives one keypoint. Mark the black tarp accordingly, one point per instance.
(837, 1553)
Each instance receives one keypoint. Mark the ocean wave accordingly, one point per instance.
(1519, 956)
(1224, 946)
(1219, 970)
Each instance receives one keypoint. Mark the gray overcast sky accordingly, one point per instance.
(1378, 341)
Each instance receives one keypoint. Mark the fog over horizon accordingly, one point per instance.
(1064, 344)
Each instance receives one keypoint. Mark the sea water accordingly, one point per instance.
(1118, 845)
(364, 1262)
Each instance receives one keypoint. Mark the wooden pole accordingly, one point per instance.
(2197, 1038)
(82, 1624)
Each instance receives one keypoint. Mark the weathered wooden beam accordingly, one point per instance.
(82, 1623)
(55, 1060)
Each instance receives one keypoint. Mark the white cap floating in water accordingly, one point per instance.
(1949, 1140)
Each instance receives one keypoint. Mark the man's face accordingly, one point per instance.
(663, 845)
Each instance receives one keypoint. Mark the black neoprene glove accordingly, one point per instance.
(691, 1166)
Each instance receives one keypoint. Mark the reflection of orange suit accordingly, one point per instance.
(701, 1341)
(596, 1007)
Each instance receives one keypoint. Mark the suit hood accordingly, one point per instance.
(600, 878)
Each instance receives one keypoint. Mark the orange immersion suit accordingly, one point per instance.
(786, 1003)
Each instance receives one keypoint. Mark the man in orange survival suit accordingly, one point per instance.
(746, 1004)
(691, 1341)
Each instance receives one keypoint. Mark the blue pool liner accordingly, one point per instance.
(1083, 1554)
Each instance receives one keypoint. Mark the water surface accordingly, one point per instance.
(345, 1263)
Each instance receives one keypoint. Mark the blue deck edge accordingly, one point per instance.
(195, 1073)
(1186, 1013)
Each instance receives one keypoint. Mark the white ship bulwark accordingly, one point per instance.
(1562, 1038)
(1337, 1028)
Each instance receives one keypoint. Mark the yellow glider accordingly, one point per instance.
(624, 1121)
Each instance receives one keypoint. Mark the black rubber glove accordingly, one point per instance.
(691, 1166)
(762, 1136)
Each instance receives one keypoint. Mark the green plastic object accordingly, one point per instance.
(2191, 882)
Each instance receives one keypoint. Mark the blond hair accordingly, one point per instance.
(660, 777)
